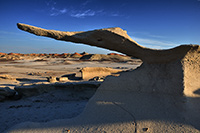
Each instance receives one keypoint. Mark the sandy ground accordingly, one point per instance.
(48, 106)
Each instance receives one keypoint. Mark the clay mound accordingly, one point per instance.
(76, 55)
(3, 53)
(84, 53)
(10, 57)
(101, 57)
(116, 54)
(64, 55)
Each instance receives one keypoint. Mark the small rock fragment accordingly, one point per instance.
(51, 79)
(145, 129)
(63, 79)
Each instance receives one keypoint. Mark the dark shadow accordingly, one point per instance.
(72, 76)
(197, 91)
(29, 80)
(8, 85)
(115, 108)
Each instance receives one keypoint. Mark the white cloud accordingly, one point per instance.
(82, 14)
(85, 3)
(152, 43)
(147, 34)
(56, 12)
(8, 32)
(50, 3)
(114, 14)
(77, 12)
(63, 10)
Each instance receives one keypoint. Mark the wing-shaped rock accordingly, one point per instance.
(113, 39)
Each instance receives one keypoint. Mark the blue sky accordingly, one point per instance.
(152, 23)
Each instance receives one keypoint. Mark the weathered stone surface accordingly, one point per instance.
(91, 72)
(160, 96)
(8, 77)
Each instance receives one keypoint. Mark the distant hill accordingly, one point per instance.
(102, 57)
(82, 56)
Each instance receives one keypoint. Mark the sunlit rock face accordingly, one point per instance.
(162, 95)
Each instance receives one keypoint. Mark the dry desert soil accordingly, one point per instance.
(57, 103)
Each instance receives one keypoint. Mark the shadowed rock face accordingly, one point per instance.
(162, 95)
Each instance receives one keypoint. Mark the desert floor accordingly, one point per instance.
(57, 104)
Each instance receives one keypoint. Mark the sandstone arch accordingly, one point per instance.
(160, 96)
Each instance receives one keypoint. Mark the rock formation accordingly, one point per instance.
(162, 95)
(91, 72)
(112, 39)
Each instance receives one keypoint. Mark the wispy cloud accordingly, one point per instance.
(114, 14)
(77, 12)
(39, 39)
(86, 2)
(152, 43)
(82, 14)
(147, 34)
(56, 12)
(8, 32)
(53, 10)
(51, 2)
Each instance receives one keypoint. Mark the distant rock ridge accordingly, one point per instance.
(102, 57)
(162, 95)
(82, 56)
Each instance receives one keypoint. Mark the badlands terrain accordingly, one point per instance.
(45, 87)
(162, 95)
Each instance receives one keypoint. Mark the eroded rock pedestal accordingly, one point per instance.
(162, 95)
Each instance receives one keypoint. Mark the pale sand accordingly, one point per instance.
(48, 106)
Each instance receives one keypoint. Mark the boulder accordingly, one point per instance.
(91, 72)
(63, 79)
(6, 93)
